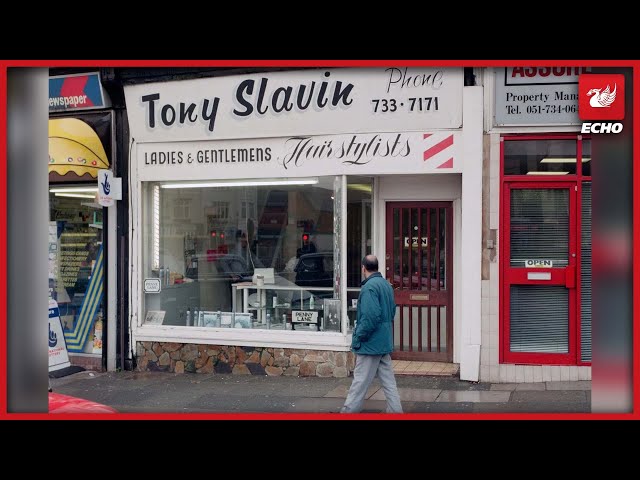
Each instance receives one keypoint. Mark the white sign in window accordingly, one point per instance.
(151, 285)
(304, 316)
(538, 263)
(415, 241)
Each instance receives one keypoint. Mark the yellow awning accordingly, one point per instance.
(75, 147)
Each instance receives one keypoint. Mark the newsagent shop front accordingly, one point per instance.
(536, 286)
(81, 143)
(255, 197)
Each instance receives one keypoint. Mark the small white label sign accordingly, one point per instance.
(105, 186)
(151, 285)
(414, 242)
(304, 316)
(538, 263)
(539, 276)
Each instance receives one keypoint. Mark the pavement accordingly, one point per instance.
(159, 392)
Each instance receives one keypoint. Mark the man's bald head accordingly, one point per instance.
(370, 263)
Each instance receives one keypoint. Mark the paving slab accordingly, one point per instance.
(471, 396)
(576, 385)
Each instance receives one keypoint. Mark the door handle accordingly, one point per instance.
(570, 277)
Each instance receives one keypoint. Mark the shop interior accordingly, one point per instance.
(204, 241)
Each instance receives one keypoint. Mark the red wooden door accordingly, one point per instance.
(419, 266)
(539, 273)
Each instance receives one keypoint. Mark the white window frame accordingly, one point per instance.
(338, 341)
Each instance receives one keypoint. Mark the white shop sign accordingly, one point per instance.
(353, 154)
(311, 102)
(302, 316)
(537, 95)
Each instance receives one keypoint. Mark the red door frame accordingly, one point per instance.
(559, 276)
(504, 237)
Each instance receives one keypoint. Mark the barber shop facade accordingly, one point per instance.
(253, 199)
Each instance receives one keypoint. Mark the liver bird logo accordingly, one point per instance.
(602, 98)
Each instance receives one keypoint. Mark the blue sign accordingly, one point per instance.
(76, 92)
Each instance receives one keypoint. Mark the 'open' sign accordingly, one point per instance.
(538, 263)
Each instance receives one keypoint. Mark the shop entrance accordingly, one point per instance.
(539, 297)
(419, 266)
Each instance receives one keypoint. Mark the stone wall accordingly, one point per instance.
(193, 358)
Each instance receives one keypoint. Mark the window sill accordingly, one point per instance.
(244, 337)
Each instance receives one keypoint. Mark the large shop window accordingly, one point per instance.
(76, 265)
(244, 254)
(546, 250)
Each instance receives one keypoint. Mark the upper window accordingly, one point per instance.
(540, 157)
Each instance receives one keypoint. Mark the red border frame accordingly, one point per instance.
(635, 64)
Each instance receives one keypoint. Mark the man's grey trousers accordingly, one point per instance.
(367, 366)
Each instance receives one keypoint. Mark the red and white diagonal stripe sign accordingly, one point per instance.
(439, 149)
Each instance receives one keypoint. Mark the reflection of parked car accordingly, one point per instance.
(235, 267)
(315, 270)
(223, 267)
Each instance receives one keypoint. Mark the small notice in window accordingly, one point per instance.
(154, 317)
(415, 242)
(304, 316)
(538, 263)
(151, 285)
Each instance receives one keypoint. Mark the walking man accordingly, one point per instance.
(372, 340)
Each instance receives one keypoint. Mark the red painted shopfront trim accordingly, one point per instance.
(507, 274)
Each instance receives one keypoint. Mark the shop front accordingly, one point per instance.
(80, 144)
(537, 234)
(255, 197)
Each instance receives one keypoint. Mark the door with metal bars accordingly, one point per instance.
(419, 266)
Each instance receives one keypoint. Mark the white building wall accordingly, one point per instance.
(466, 193)
(471, 234)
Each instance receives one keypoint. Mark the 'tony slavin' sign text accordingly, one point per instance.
(309, 102)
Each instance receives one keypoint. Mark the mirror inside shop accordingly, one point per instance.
(253, 256)
(76, 266)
